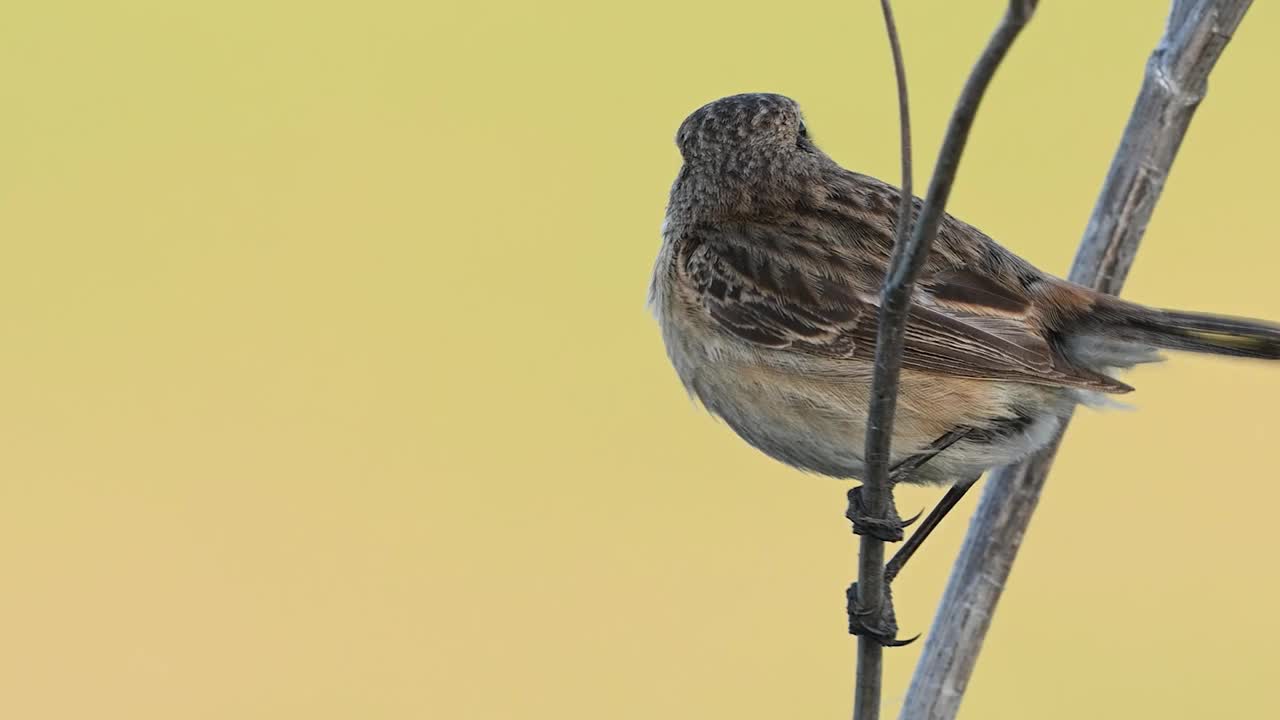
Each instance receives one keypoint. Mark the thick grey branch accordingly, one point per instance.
(1174, 84)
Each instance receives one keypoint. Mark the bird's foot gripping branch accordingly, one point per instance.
(878, 621)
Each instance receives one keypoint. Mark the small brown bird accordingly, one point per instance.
(767, 290)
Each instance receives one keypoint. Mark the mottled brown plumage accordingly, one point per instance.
(767, 286)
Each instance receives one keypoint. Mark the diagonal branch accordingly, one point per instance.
(1174, 84)
(909, 256)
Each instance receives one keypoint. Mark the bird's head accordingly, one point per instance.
(746, 154)
(741, 128)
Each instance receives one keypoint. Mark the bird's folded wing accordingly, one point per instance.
(960, 323)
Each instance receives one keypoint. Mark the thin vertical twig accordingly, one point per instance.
(870, 668)
(1173, 86)
(909, 256)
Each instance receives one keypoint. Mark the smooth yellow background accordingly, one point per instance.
(327, 388)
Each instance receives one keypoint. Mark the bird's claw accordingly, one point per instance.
(888, 529)
(865, 623)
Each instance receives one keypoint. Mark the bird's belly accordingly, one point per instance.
(818, 423)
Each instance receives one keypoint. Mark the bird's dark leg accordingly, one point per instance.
(884, 629)
(939, 511)
(889, 528)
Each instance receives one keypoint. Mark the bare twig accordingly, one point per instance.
(909, 257)
(870, 668)
(1174, 84)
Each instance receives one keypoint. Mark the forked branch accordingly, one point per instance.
(909, 256)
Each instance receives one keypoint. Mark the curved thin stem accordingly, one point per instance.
(909, 256)
(870, 668)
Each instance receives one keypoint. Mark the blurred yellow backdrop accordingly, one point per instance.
(328, 389)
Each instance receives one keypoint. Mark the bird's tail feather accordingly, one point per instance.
(1196, 332)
